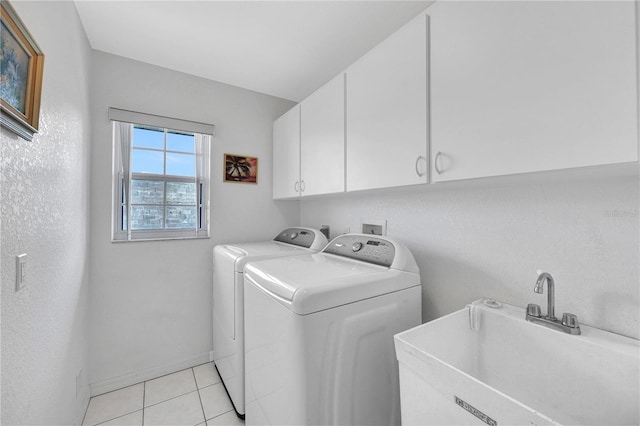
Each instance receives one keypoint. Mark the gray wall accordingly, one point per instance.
(488, 237)
(45, 213)
(151, 301)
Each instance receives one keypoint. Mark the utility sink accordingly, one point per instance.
(488, 365)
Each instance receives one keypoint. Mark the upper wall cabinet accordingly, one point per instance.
(322, 140)
(531, 86)
(387, 112)
(308, 145)
(286, 154)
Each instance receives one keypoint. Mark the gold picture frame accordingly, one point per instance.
(240, 168)
(21, 72)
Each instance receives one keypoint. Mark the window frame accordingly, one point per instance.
(201, 178)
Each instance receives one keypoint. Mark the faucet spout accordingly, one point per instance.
(539, 288)
(569, 323)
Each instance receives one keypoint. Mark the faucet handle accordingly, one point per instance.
(534, 310)
(570, 320)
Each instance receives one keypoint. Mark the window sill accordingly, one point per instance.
(169, 238)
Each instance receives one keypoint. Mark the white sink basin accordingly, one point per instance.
(482, 365)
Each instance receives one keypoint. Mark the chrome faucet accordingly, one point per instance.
(569, 323)
(551, 298)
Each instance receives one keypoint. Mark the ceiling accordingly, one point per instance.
(282, 48)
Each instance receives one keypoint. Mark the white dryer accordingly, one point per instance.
(319, 330)
(228, 302)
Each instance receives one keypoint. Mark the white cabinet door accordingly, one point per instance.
(286, 154)
(529, 86)
(322, 140)
(387, 112)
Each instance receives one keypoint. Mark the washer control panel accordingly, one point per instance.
(296, 236)
(364, 248)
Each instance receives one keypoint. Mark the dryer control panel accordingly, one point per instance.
(302, 237)
(365, 248)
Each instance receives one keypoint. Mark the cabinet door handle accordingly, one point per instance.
(418, 172)
(436, 163)
(302, 185)
(296, 186)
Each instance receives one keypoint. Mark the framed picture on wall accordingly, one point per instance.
(240, 168)
(21, 70)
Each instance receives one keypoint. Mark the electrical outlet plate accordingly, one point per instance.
(374, 226)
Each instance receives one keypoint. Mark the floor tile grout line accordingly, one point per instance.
(144, 395)
(124, 387)
(143, 409)
(175, 396)
(168, 374)
(172, 398)
(199, 397)
(208, 386)
(195, 377)
(118, 416)
(152, 405)
(226, 412)
(115, 418)
(145, 381)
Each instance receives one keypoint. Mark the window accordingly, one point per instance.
(161, 181)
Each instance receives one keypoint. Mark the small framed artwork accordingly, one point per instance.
(240, 168)
(21, 70)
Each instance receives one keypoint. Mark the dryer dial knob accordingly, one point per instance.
(293, 235)
(356, 247)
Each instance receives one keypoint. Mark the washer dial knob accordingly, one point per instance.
(356, 247)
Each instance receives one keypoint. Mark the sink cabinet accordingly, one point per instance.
(531, 86)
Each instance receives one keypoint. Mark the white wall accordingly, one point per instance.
(487, 238)
(151, 301)
(44, 213)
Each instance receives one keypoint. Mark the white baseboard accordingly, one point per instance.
(140, 376)
(211, 356)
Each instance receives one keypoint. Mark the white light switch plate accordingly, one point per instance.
(21, 271)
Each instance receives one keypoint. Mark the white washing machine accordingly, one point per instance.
(319, 330)
(228, 304)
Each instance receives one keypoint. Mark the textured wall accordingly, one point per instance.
(488, 238)
(151, 301)
(44, 213)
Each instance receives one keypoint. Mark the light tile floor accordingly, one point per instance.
(191, 397)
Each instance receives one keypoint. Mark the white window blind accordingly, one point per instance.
(126, 116)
